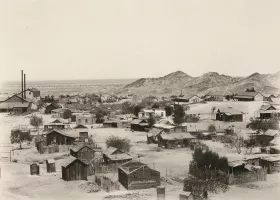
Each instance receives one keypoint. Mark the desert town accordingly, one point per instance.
(119, 147)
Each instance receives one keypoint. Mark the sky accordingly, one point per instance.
(74, 39)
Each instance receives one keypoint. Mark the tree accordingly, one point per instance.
(137, 109)
(127, 107)
(189, 118)
(67, 114)
(179, 114)
(18, 136)
(156, 105)
(169, 110)
(118, 142)
(151, 121)
(263, 124)
(36, 122)
(212, 128)
(252, 89)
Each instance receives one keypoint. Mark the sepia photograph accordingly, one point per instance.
(139, 100)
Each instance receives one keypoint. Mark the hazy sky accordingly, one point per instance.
(67, 39)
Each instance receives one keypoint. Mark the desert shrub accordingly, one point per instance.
(209, 160)
(263, 124)
(118, 142)
(212, 128)
(169, 110)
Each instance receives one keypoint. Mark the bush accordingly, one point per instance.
(212, 128)
(118, 142)
(263, 125)
(179, 114)
(169, 110)
(209, 159)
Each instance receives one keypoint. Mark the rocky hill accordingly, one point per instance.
(175, 82)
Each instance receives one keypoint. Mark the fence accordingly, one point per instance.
(54, 148)
(245, 177)
(227, 178)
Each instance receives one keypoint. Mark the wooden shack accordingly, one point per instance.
(135, 175)
(139, 125)
(271, 164)
(115, 156)
(34, 169)
(83, 152)
(50, 164)
(61, 137)
(74, 169)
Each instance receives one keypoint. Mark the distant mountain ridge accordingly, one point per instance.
(174, 82)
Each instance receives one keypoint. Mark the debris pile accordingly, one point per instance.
(90, 187)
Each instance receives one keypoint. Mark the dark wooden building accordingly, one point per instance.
(267, 136)
(152, 135)
(135, 175)
(139, 125)
(271, 164)
(115, 156)
(34, 169)
(60, 137)
(111, 124)
(84, 153)
(74, 169)
(51, 106)
(229, 114)
(50, 164)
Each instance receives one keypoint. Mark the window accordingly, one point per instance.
(54, 139)
(29, 93)
(162, 114)
(86, 121)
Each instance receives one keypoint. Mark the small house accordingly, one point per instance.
(113, 155)
(268, 112)
(62, 137)
(83, 132)
(57, 124)
(111, 124)
(218, 96)
(73, 169)
(248, 96)
(84, 153)
(135, 175)
(152, 135)
(50, 165)
(174, 140)
(51, 106)
(139, 125)
(165, 127)
(61, 113)
(85, 119)
(271, 164)
(229, 114)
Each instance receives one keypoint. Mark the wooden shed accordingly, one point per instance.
(34, 169)
(135, 175)
(62, 137)
(271, 164)
(73, 169)
(50, 164)
(83, 152)
(115, 156)
(139, 125)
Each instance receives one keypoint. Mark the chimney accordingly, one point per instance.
(24, 86)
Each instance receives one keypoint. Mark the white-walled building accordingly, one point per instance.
(148, 112)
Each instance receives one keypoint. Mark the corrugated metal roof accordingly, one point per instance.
(109, 150)
(68, 161)
(154, 132)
